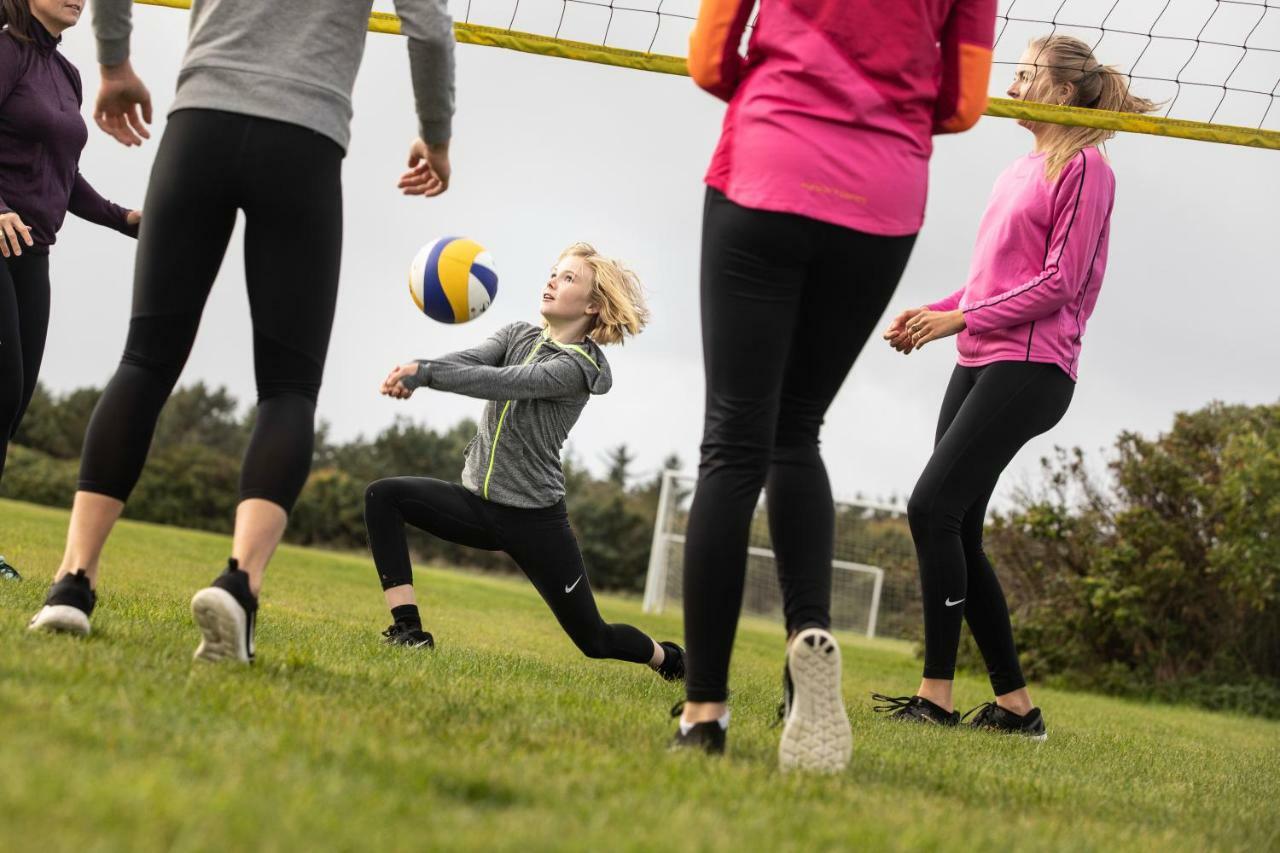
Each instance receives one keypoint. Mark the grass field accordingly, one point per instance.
(505, 738)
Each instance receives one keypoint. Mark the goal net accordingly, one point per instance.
(874, 588)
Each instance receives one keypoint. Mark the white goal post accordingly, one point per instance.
(856, 587)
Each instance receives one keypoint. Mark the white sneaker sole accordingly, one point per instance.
(60, 618)
(221, 620)
(817, 737)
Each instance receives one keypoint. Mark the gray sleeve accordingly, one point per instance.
(554, 378)
(112, 23)
(489, 353)
(429, 29)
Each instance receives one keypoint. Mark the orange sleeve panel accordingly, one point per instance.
(714, 61)
(966, 65)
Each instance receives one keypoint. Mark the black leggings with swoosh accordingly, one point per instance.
(539, 540)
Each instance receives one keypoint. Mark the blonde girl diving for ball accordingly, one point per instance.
(1019, 319)
(535, 380)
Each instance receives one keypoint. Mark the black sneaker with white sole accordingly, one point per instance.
(412, 637)
(8, 572)
(672, 667)
(992, 717)
(915, 709)
(226, 613)
(816, 735)
(67, 607)
(708, 737)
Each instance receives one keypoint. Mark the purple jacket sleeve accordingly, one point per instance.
(88, 205)
(949, 303)
(11, 70)
(1081, 207)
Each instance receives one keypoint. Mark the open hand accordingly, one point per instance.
(13, 233)
(392, 387)
(428, 173)
(123, 107)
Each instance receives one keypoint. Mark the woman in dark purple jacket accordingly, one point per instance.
(41, 135)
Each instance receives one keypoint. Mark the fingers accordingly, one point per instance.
(134, 119)
(9, 239)
(115, 126)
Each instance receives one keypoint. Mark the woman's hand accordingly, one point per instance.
(428, 173)
(897, 334)
(123, 108)
(134, 217)
(391, 386)
(11, 225)
(931, 325)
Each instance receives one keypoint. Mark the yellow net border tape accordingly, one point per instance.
(382, 22)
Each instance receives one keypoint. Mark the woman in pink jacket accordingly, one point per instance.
(814, 197)
(1035, 276)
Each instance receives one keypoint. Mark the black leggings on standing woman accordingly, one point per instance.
(787, 304)
(988, 414)
(24, 321)
(288, 181)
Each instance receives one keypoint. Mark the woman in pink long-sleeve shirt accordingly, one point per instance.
(1020, 319)
(814, 196)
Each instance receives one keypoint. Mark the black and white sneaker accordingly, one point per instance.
(816, 734)
(404, 635)
(705, 737)
(67, 606)
(8, 572)
(992, 717)
(672, 668)
(915, 709)
(226, 613)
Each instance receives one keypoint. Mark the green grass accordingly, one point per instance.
(505, 738)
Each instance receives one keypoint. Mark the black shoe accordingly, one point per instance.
(707, 737)
(405, 635)
(672, 668)
(8, 572)
(816, 735)
(67, 606)
(915, 709)
(992, 717)
(226, 613)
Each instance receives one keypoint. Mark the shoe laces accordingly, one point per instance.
(985, 714)
(889, 704)
(393, 631)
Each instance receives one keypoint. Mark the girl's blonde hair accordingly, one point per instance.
(617, 292)
(1069, 61)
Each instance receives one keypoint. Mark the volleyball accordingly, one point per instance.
(452, 280)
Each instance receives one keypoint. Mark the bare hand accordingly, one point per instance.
(123, 108)
(134, 217)
(897, 334)
(428, 173)
(931, 325)
(11, 225)
(392, 387)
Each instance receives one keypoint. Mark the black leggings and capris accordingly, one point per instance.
(539, 540)
(24, 321)
(787, 304)
(287, 180)
(988, 414)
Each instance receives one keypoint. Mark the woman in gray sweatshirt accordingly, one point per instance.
(536, 382)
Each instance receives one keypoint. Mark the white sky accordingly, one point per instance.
(549, 151)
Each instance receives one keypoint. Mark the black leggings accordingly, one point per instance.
(288, 182)
(539, 540)
(787, 303)
(987, 415)
(24, 320)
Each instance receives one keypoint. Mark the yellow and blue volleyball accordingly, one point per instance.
(452, 280)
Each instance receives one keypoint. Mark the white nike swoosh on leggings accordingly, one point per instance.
(951, 603)
(570, 587)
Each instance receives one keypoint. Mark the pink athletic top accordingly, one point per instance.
(832, 112)
(1038, 264)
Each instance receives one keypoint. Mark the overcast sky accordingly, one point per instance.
(548, 151)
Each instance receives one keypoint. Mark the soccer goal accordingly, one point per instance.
(873, 590)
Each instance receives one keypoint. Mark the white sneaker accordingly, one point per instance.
(226, 613)
(67, 606)
(817, 736)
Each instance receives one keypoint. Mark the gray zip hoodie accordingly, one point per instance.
(536, 388)
(294, 60)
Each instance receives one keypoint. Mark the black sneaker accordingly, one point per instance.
(816, 734)
(707, 737)
(672, 668)
(67, 606)
(8, 572)
(916, 709)
(405, 635)
(992, 717)
(226, 613)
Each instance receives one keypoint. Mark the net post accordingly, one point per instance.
(655, 582)
(877, 586)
